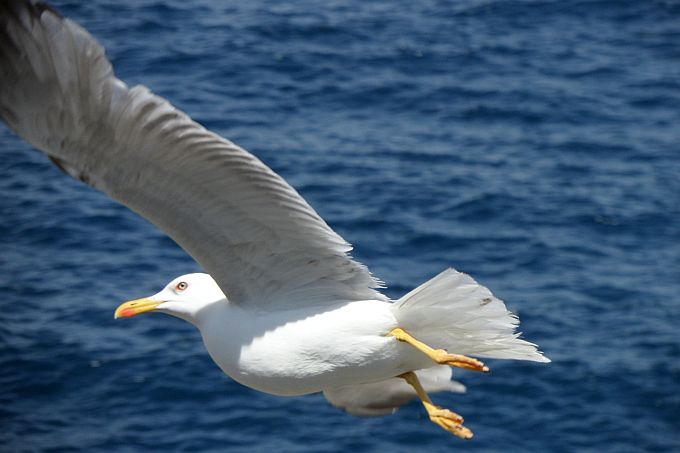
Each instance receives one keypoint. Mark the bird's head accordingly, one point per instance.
(184, 297)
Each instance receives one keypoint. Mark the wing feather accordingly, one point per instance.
(264, 245)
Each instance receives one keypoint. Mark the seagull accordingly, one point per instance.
(283, 307)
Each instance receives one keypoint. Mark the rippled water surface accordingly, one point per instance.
(532, 144)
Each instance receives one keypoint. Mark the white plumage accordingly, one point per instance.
(454, 312)
(301, 315)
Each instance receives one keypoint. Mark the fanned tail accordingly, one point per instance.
(454, 312)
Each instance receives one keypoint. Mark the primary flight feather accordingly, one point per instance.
(284, 308)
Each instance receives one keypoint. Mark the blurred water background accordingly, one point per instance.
(532, 144)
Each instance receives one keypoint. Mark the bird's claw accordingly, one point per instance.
(450, 421)
(437, 411)
(443, 357)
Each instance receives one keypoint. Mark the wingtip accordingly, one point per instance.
(13, 9)
(539, 357)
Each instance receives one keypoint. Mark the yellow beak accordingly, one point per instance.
(136, 307)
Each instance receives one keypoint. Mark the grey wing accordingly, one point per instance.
(376, 399)
(247, 227)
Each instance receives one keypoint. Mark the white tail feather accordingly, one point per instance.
(454, 312)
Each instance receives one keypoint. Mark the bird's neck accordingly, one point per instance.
(208, 311)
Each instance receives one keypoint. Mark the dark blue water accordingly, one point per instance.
(532, 144)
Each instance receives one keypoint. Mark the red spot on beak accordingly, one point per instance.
(127, 313)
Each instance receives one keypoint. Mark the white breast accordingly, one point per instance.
(297, 352)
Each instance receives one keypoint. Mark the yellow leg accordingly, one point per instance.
(440, 356)
(448, 420)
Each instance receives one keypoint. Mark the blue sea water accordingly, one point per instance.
(533, 144)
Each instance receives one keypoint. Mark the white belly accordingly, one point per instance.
(297, 352)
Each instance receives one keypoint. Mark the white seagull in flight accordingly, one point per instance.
(283, 309)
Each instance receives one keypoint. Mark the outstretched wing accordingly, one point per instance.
(376, 399)
(259, 239)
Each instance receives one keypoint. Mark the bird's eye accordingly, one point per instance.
(181, 286)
